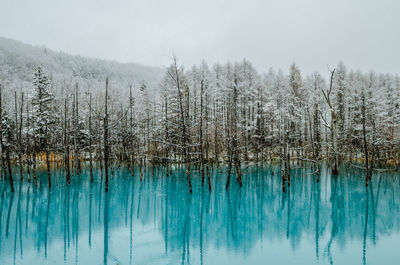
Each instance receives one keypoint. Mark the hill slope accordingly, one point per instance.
(18, 60)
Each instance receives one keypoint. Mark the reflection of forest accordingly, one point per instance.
(339, 207)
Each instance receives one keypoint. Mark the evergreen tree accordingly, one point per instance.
(42, 111)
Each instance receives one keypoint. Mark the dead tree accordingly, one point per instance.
(66, 145)
(47, 155)
(234, 150)
(3, 171)
(106, 146)
(364, 121)
(76, 124)
(201, 132)
(183, 123)
(333, 126)
(21, 149)
(131, 139)
(90, 138)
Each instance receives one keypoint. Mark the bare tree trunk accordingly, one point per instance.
(34, 166)
(287, 159)
(90, 138)
(201, 133)
(364, 118)
(3, 171)
(183, 127)
(333, 126)
(21, 149)
(47, 160)
(236, 158)
(230, 137)
(9, 168)
(131, 140)
(215, 135)
(28, 145)
(335, 170)
(106, 147)
(66, 145)
(207, 148)
(76, 128)
(316, 140)
(18, 138)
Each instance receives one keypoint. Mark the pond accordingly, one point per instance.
(157, 221)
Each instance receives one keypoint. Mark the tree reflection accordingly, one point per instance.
(333, 212)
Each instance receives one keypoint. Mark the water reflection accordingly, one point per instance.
(157, 221)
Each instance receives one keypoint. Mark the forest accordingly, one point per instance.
(199, 118)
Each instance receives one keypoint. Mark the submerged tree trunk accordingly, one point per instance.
(3, 173)
(48, 165)
(183, 125)
(364, 118)
(28, 145)
(201, 134)
(34, 167)
(9, 169)
(316, 140)
(66, 145)
(335, 170)
(287, 163)
(106, 147)
(76, 128)
(90, 138)
(236, 157)
(333, 127)
(21, 149)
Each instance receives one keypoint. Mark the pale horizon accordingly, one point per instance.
(270, 34)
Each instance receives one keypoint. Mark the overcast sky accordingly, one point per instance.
(364, 34)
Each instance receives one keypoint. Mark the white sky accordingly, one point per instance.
(364, 34)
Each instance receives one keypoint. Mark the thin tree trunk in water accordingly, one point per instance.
(365, 137)
(28, 146)
(48, 165)
(282, 155)
(287, 159)
(106, 137)
(183, 125)
(132, 164)
(230, 131)
(207, 149)
(3, 171)
(229, 170)
(141, 169)
(9, 160)
(66, 146)
(20, 137)
(316, 141)
(333, 126)
(17, 130)
(47, 156)
(238, 171)
(235, 148)
(90, 138)
(201, 133)
(34, 167)
(76, 140)
(215, 136)
(9, 169)
(335, 170)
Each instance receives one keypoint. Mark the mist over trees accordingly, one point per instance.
(201, 117)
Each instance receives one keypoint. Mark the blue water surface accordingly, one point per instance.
(157, 221)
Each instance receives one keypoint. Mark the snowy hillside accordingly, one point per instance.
(18, 60)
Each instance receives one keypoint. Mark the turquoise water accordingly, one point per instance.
(157, 221)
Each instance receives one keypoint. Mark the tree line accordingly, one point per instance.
(203, 117)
